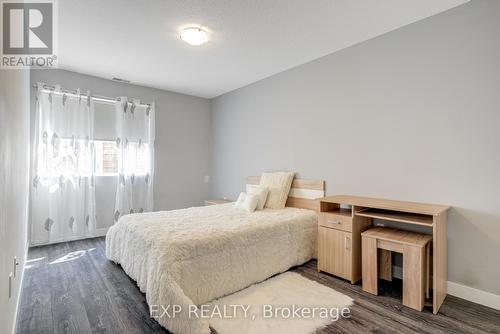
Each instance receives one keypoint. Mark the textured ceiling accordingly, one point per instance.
(249, 39)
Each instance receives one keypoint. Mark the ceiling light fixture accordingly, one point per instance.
(194, 36)
(120, 80)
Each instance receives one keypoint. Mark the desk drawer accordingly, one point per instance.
(338, 222)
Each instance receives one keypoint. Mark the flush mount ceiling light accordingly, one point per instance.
(194, 36)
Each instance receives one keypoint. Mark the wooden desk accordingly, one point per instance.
(340, 228)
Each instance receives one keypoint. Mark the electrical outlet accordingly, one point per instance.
(207, 178)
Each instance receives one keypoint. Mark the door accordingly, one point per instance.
(335, 252)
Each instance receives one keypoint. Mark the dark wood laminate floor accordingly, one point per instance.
(72, 288)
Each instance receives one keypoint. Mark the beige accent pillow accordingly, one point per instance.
(261, 192)
(250, 202)
(279, 184)
(240, 200)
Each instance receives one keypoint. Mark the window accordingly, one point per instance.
(64, 156)
(135, 162)
(106, 157)
(73, 157)
(136, 159)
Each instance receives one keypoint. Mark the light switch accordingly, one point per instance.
(207, 178)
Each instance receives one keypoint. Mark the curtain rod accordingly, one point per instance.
(100, 98)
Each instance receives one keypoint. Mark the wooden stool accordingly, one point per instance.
(414, 247)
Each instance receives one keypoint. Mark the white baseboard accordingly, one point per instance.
(462, 291)
(100, 232)
(474, 295)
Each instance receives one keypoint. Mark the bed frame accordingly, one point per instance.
(304, 193)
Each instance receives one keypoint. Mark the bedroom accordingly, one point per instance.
(357, 131)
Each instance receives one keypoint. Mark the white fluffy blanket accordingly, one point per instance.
(192, 256)
(287, 291)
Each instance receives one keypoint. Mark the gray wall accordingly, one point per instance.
(14, 186)
(413, 115)
(182, 146)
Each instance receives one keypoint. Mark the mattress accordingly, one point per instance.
(191, 256)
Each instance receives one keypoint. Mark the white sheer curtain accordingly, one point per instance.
(63, 165)
(135, 124)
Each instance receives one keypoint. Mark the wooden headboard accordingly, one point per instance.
(303, 193)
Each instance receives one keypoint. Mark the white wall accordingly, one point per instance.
(14, 188)
(182, 146)
(412, 115)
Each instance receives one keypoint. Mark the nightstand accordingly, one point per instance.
(217, 201)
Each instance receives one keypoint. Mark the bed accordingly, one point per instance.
(192, 256)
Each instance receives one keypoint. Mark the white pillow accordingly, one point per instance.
(279, 184)
(240, 200)
(261, 192)
(249, 202)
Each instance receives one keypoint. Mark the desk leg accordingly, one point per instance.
(427, 268)
(439, 260)
(369, 265)
(413, 277)
(385, 264)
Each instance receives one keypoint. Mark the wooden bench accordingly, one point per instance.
(415, 248)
